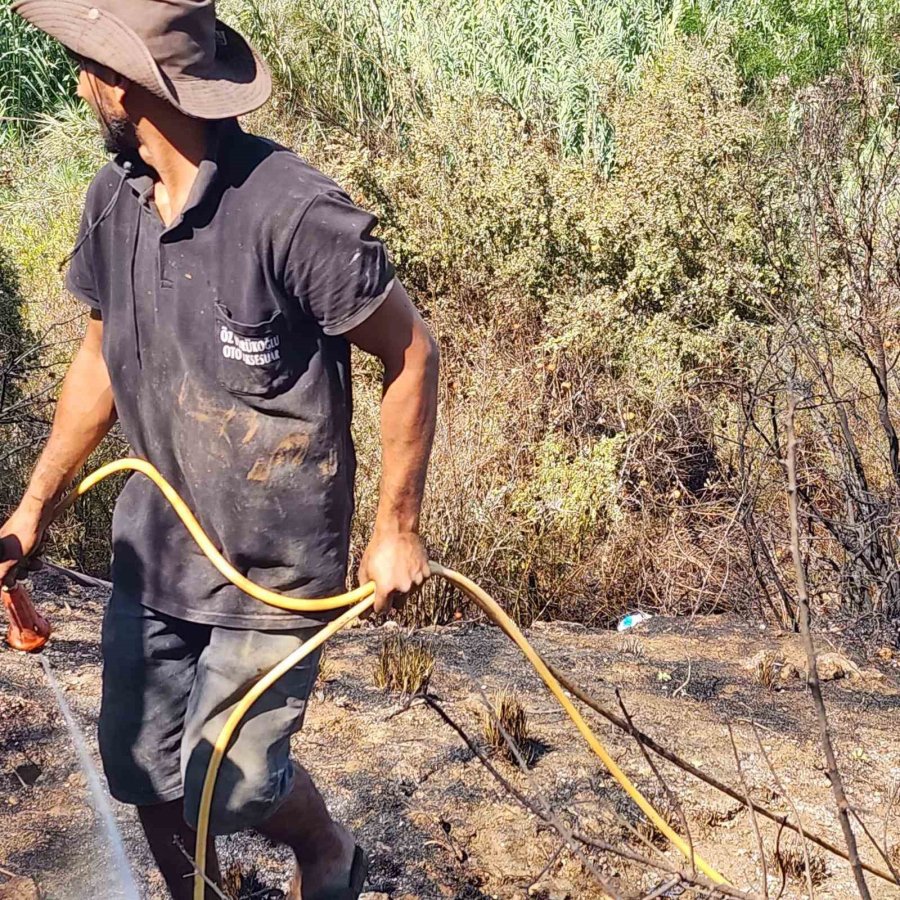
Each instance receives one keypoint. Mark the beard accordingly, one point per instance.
(119, 135)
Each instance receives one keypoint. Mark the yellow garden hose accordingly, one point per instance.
(359, 600)
(209, 548)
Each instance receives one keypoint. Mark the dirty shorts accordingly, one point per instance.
(168, 687)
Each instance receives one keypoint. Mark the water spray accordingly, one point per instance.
(29, 631)
(120, 879)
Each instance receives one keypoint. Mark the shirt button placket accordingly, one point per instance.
(164, 280)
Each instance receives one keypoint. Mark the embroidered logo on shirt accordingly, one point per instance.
(250, 351)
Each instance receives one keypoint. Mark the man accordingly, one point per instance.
(226, 280)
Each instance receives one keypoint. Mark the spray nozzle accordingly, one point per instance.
(28, 629)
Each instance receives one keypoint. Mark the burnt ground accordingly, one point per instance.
(435, 823)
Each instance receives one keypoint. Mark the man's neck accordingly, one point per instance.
(175, 161)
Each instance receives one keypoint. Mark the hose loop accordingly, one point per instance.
(360, 600)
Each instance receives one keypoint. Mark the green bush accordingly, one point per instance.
(41, 196)
(472, 210)
(806, 40)
(590, 204)
(587, 324)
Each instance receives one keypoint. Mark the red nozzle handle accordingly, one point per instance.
(28, 629)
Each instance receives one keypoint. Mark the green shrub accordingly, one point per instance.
(592, 211)
(40, 324)
(572, 491)
(806, 40)
(685, 190)
(471, 208)
(587, 324)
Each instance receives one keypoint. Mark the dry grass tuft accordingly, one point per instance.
(327, 669)
(794, 863)
(507, 715)
(765, 670)
(894, 855)
(650, 833)
(632, 646)
(405, 664)
(243, 885)
(711, 817)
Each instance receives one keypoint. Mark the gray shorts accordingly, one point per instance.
(168, 687)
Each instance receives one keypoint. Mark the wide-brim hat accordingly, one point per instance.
(176, 49)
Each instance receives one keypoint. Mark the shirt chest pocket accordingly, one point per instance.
(253, 358)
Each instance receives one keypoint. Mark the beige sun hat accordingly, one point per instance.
(176, 49)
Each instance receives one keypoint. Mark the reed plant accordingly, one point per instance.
(36, 77)
(367, 65)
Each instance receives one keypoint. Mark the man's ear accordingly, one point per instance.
(119, 87)
(118, 84)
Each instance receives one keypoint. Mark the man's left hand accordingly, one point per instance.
(398, 564)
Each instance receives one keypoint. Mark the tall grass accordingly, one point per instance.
(803, 40)
(363, 64)
(358, 64)
(366, 64)
(36, 76)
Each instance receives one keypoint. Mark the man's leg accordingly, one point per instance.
(170, 837)
(323, 848)
(258, 787)
(149, 666)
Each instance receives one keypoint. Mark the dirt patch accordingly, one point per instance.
(435, 823)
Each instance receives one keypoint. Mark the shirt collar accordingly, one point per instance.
(142, 177)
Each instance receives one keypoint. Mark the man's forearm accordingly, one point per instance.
(408, 413)
(84, 414)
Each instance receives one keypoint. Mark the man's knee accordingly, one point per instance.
(246, 791)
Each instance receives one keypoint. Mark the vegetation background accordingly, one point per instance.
(641, 230)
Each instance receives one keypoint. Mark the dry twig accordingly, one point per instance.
(686, 877)
(711, 780)
(794, 810)
(195, 871)
(754, 822)
(554, 856)
(670, 794)
(882, 851)
(815, 688)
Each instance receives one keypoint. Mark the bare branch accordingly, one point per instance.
(809, 882)
(759, 841)
(834, 775)
(711, 780)
(670, 794)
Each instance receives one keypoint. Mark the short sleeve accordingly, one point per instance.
(80, 274)
(339, 271)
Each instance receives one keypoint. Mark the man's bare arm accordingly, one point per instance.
(84, 414)
(395, 558)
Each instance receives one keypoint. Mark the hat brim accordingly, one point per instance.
(237, 81)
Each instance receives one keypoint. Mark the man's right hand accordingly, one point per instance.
(21, 535)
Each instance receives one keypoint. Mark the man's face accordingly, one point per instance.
(104, 92)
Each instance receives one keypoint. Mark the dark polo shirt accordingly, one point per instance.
(223, 335)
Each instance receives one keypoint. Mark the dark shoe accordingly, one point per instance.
(357, 879)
